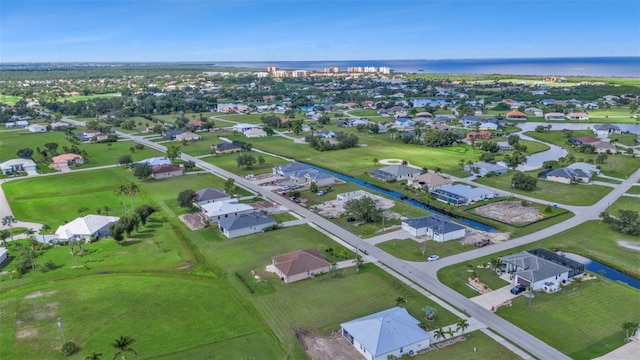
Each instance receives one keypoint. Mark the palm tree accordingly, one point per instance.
(429, 312)
(629, 326)
(83, 210)
(123, 345)
(130, 190)
(375, 161)
(9, 220)
(4, 235)
(450, 332)
(94, 356)
(106, 210)
(438, 170)
(400, 301)
(439, 334)
(462, 325)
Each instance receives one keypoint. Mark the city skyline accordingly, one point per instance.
(198, 31)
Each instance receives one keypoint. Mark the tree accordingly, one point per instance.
(189, 165)
(186, 198)
(230, 186)
(4, 235)
(375, 161)
(128, 223)
(9, 220)
(313, 187)
(450, 332)
(261, 160)
(439, 334)
(514, 159)
(524, 182)
(173, 152)
(462, 325)
(142, 171)
(246, 160)
(364, 209)
(400, 301)
(404, 163)
(106, 210)
(123, 345)
(629, 326)
(69, 348)
(125, 160)
(513, 139)
(144, 211)
(429, 312)
(94, 356)
(25, 153)
(627, 222)
(130, 190)
(83, 210)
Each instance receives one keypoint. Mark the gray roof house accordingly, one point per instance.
(534, 271)
(482, 168)
(438, 228)
(568, 175)
(209, 195)
(289, 169)
(462, 194)
(606, 129)
(390, 332)
(245, 224)
(394, 172)
(588, 168)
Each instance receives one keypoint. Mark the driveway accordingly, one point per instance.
(494, 298)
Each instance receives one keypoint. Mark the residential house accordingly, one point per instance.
(85, 227)
(326, 134)
(516, 115)
(478, 135)
(37, 128)
(554, 116)
(299, 265)
(154, 161)
(471, 120)
(459, 195)
(429, 181)
(482, 168)
(218, 210)
(18, 165)
(443, 118)
(434, 227)
(188, 136)
(603, 147)
(254, 133)
(591, 106)
(425, 114)
(588, 140)
(172, 133)
(394, 172)
(404, 122)
(209, 195)
(244, 127)
(504, 146)
(534, 111)
(578, 116)
(90, 134)
(568, 176)
(287, 170)
(387, 333)
(587, 168)
(245, 224)
(488, 126)
(534, 271)
(321, 178)
(227, 148)
(166, 171)
(59, 126)
(16, 124)
(603, 130)
(63, 161)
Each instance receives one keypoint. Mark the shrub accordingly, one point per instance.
(69, 348)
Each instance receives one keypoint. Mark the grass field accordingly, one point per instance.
(229, 163)
(634, 190)
(89, 97)
(628, 139)
(477, 346)
(9, 99)
(575, 320)
(410, 250)
(552, 191)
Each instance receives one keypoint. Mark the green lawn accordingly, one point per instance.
(164, 313)
(628, 139)
(634, 190)
(89, 97)
(9, 99)
(582, 320)
(410, 250)
(551, 191)
(477, 346)
(229, 163)
(364, 112)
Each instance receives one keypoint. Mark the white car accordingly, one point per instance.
(250, 176)
(433, 258)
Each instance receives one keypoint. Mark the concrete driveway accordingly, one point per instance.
(494, 298)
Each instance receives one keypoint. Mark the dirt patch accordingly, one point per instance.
(483, 288)
(473, 236)
(187, 265)
(444, 344)
(38, 294)
(629, 245)
(260, 205)
(320, 347)
(26, 333)
(509, 212)
(193, 221)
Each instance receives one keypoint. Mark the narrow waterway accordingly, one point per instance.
(413, 202)
(604, 270)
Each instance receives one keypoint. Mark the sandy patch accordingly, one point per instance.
(510, 212)
(629, 245)
(326, 348)
(192, 220)
(26, 333)
(38, 294)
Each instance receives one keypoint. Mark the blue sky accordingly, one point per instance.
(262, 30)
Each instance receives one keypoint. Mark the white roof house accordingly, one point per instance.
(244, 127)
(37, 128)
(4, 254)
(389, 332)
(10, 166)
(155, 161)
(85, 227)
(255, 132)
(223, 209)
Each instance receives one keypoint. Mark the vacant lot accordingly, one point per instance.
(510, 212)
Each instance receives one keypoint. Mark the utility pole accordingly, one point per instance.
(357, 265)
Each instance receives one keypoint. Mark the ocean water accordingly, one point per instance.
(595, 66)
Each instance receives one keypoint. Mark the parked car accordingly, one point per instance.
(286, 187)
(320, 193)
(250, 176)
(433, 258)
(351, 219)
(482, 243)
(518, 289)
